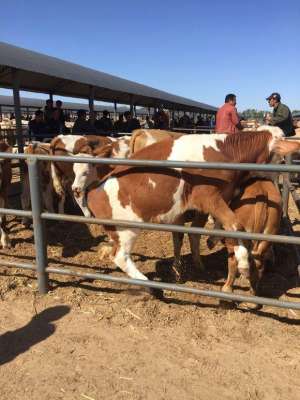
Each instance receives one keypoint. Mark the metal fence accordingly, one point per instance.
(39, 217)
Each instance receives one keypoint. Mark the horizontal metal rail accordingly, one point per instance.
(172, 228)
(158, 164)
(162, 286)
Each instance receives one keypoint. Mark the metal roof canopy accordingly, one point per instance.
(44, 74)
(7, 102)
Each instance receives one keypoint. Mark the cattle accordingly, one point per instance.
(164, 195)
(85, 174)
(46, 179)
(64, 174)
(141, 138)
(258, 209)
(5, 181)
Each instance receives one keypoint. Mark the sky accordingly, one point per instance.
(198, 49)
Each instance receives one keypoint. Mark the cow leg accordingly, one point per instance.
(48, 198)
(122, 257)
(177, 266)
(59, 189)
(81, 201)
(232, 271)
(199, 221)
(228, 220)
(25, 200)
(5, 241)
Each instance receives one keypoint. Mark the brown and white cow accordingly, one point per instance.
(164, 195)
(5, 181)
(258, 209)
(46, 179)
(75, 177)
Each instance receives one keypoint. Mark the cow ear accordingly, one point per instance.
(284, 147)
(103, 152)
(53, 144)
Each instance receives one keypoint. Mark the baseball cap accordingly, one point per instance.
(275, 96)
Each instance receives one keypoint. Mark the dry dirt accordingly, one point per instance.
(97, 340)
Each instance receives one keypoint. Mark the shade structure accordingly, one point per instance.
(41, 73)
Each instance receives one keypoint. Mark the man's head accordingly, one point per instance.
(127, 115)
(49, 103)
(230, 99)
(39, 116)
(81, 114)
(274, 99)
(105, 114)
(58, 104)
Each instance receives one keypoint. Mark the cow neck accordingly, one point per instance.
(246, 147)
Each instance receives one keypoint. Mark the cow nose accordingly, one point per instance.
(77, 191)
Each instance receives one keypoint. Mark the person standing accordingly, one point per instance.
(282, 116)
(227, 119)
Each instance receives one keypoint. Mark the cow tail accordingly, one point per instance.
(260, 218)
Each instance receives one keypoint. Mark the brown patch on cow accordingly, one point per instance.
(241, 147)
(284, 147)
(148, 193)
(156, 151)
(140, 137)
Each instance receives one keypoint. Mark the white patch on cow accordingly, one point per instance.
(150, 139)
(276, 132)
(191, 147)
(123, 150)
(241, 255)
(176, 208)
(126, 236)
(85, 174)
(69, 141)
(152, 183)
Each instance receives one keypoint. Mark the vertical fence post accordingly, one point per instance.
(286, 189)
(38, 226)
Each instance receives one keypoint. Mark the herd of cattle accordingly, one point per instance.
(236, 200)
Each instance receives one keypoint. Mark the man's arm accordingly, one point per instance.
(235, 119)
(281, 115)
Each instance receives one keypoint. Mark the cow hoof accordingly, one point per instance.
(26, 222)
(177, 273)
(250, 306)
(227, 304)
(210, 243)
(156, 293)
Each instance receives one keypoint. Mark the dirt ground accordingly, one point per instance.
(97, 340)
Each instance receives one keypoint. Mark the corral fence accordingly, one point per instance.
(40, 241)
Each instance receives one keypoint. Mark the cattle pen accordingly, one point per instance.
(39, 217)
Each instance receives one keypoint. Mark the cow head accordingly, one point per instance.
(87, 173)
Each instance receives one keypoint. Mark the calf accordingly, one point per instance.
(164, 195)
(258, 209)
(5, 181)
(77, 176)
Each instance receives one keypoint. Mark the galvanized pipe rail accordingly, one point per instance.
(40, 240)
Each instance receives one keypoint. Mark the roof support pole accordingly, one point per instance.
(131, 105)
(134, 110)
(17, 105)
(91, 104)
(115, 110)
(51, 96)
(0, 113)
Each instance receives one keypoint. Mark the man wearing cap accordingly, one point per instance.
(227, 120)
(282, 116)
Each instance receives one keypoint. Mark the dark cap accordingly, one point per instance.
(275, 96)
